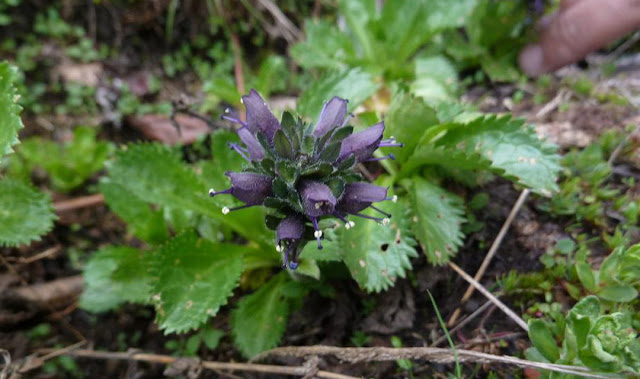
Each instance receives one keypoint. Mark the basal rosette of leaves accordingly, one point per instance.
(593, 335)
(304, 173)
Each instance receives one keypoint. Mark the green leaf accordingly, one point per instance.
(435, 79)
(142, 221)
(192, 279)
(308, 267)
(358, 14)
(281, 145)
(114, 275)
(375, 254)
(154, 173)
(407, 119)
(511, 148)
(10, 121)
(585, 274)
(260, 319)
(407, 25)
(619, 293)
(440, 215)
(271, 75)
(354, 85)
(543, 340)
(25, 213)
(325, 46)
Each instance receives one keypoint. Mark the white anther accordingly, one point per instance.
(318, 205)
(385, 221)
(349, 224)
(279, 248)
(211, 192)
(227, 110)
(394, 198)
(225, 211)
(317, 233)
(242, 100)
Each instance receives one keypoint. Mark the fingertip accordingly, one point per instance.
(531, 60)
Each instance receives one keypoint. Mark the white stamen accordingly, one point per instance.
(242, 100)
(394, 198)
(279, 248)
(225, 211)
(349, 224)
(317, 233)
(227, 110)
(318, 205)
(385, 221)
(211, 192)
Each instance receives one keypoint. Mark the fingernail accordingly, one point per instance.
(531, 60)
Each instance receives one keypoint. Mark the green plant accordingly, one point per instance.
(25, 213)
(386, 43)
(5, 19)
(617, 278)
(591, 336)
(494, 33)
(68, 165)
(196, 255)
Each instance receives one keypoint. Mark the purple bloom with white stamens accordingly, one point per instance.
(304, 174)
(362, 144)
(289, 234)
(247, 187)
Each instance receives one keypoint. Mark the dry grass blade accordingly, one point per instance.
(432, 354)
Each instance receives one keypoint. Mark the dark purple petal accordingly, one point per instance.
(362, 144)
(333, 114)
(317, 199)
(259, 116)
(250, 188)
(253, 146)
(291, 228)
(360, 195)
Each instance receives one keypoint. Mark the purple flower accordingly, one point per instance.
(253, 146)
(259, 116)
(362, 144)
(295, 169)
(359, 196)
(289, 233)
(247, 187)
(333, 114)
(317, 199)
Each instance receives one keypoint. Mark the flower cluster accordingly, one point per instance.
(304, 172)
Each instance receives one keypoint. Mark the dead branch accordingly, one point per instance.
(51, 293)
(490, 296)
(209, 365)
(433, 354)
(492, 251)
(79, 202)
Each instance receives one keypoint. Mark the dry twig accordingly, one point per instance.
(79, 202)
(209, 365)
(433, 354)
(490, 296)
(462, 323)
(492, 251)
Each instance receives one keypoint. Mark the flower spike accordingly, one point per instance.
(304, 173)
